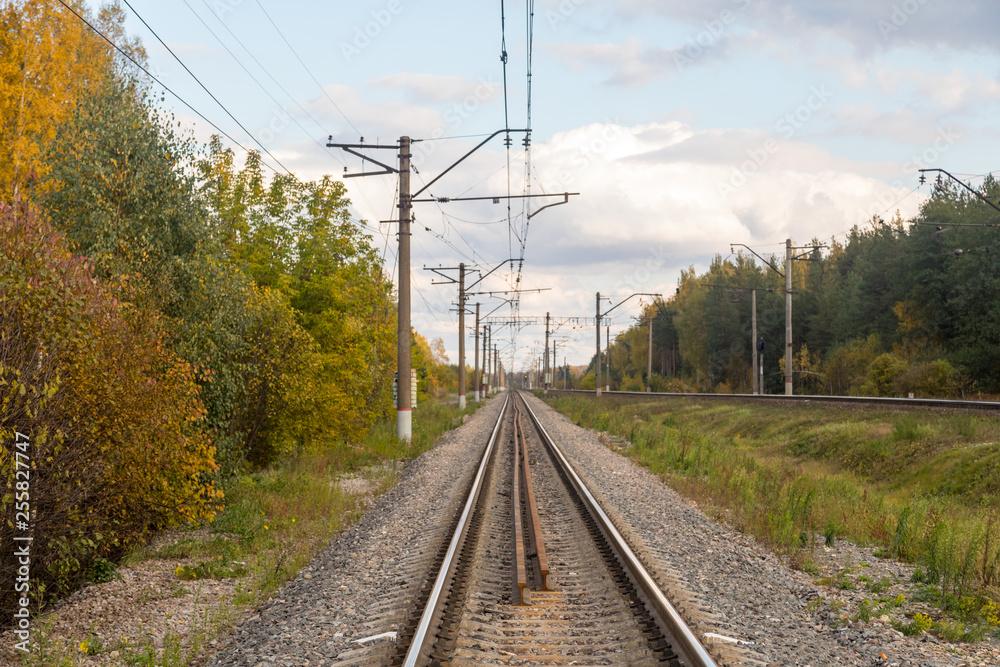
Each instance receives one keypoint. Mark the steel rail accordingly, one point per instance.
(687, 644)
(535, 524)
(520, 578)
(805, 398)
(422, 634)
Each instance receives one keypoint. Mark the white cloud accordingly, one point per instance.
(434, 88)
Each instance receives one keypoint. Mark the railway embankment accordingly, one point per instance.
(891, 512)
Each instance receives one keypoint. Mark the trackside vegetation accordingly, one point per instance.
(273, 522)
(923, 486)
(174, 319)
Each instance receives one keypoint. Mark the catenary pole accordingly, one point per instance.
(545, 366)
(649, 358)
(753, 327)
(404, 411)
(607, 342)
(475, 355)
(788, 317)
(597, 359)
(461, 336)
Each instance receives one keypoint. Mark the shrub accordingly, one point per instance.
(882, 376)
(111, 414)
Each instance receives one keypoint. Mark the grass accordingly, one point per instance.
(923, 486)
(273, 523)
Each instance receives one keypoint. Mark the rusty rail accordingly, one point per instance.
(523, 489)
(541, 563)
(519, 592)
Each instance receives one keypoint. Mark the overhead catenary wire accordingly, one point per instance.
(156, 79)
(204, 87)
(306, 67)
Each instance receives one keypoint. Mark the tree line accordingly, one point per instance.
(899, 307)
(169, 317)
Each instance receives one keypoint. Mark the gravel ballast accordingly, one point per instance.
(365, 583)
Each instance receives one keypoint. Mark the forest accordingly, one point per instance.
(899, 307)
(169, 317)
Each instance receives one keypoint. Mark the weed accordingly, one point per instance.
(903, 483)
(830, 535)
(880, 586)
(908, 429)
(920, 624)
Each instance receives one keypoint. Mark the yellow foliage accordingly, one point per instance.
(47, 58)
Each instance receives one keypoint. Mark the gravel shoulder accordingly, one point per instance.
(344, 607)
(733, 587)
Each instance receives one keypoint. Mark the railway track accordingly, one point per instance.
(536, 573)
(939, 403)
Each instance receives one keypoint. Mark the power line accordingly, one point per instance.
(267, 72)
(203, 86)
(154, 78)
(248, 72)
(306, 67)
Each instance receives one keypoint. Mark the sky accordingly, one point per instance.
(685, 127)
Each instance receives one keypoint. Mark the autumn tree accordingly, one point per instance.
(48, 60)
(298, 238)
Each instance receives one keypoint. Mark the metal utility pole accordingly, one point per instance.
(597, 363)
(475, 372)
(649, 359)
(565, 372)
(788, 317)
(404, 406)
(461, 336)
(753, 326)
(608, 343)
(545, 367)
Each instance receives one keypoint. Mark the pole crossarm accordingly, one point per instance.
(566, 196)
(605, 313)
(438, 269)
(350, 148)
(496, 198)
(531, 320)
(741, 245)
(483, 277)
(510, 291)
(462, 159)
(978, 195)
(738, 287)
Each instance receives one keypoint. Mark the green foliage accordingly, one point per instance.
(297, 239)
(890, 311)
(882, 375)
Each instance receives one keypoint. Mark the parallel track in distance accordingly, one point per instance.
(938, 403)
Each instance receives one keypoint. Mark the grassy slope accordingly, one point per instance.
(922, 485)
